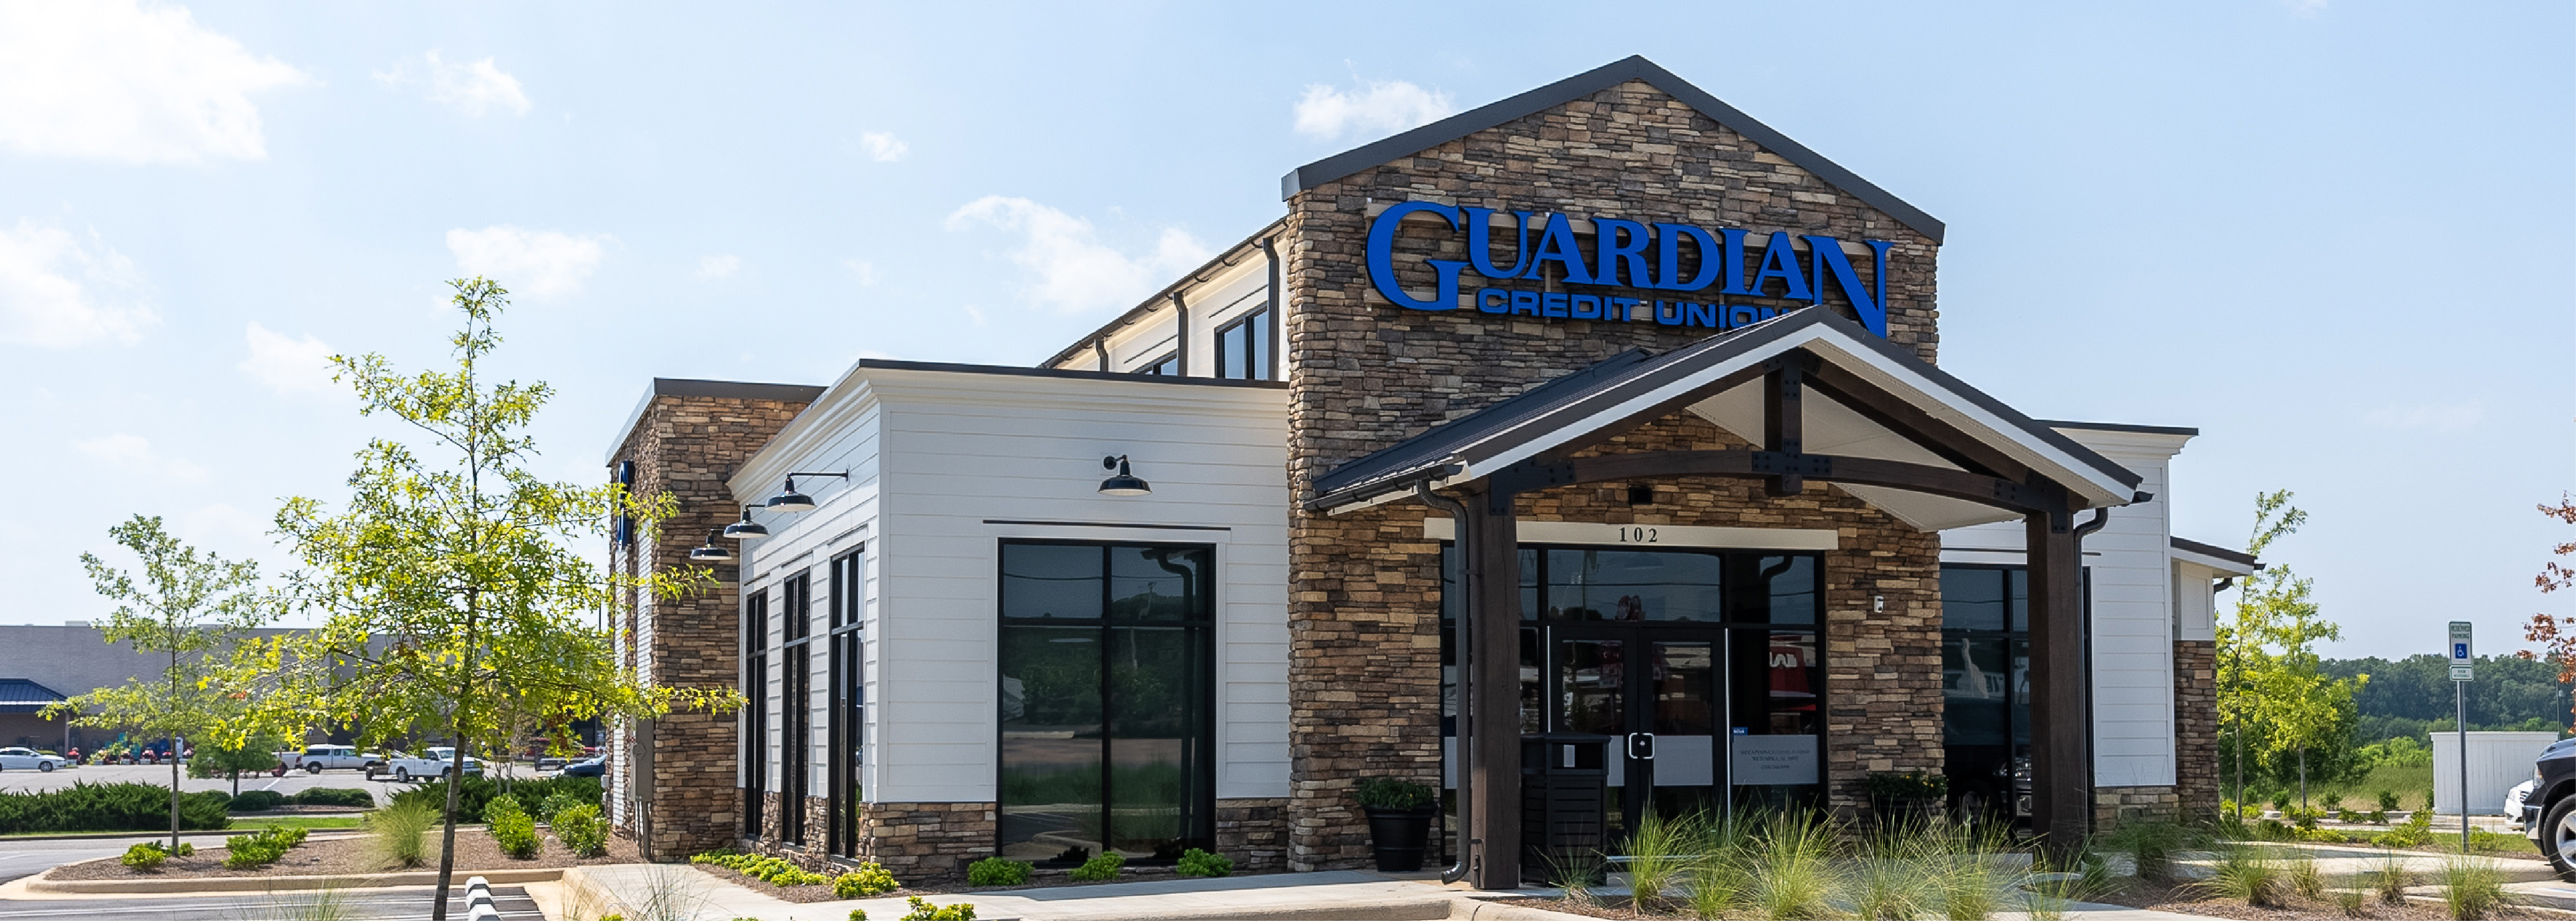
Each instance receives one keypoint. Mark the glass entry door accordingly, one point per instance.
(1657, 691)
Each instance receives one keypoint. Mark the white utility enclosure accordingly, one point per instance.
(2497, 761)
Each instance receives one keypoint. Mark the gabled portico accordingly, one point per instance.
(1818, 398)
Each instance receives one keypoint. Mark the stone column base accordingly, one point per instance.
(1253, 832)
(2115, 805)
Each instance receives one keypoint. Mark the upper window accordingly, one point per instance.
(1243, 347)
(1167, 366)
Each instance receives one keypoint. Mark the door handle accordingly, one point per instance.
(1641, 746)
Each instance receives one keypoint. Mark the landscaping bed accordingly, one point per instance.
(1040, 877)
(351, 856)
(2182, 899)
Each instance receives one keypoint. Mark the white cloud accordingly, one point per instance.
(475, 88)
(1076, 272)
(861, 269)
(718, 266)
(2438, 417)
(883, 147)
(1384, 107)
(536, 265)
(288, 365)
(134, 454)
(111, 80)
(57, 292)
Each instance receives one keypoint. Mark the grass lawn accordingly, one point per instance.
(2410, 783)
(254, 823)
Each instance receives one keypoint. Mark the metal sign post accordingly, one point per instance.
(2461, 674)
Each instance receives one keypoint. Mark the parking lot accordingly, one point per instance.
(159, 775)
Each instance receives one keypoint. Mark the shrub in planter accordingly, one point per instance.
(261, 848)
(1099, 869)
(1195, 862)
(256, 800)
(109, 807)
(922, 910)
(145, 856)
(1895, 796)
(512, 829)
(1399, 815)
(997, 871)
(869, 879)
(582, 830)
(333, 796)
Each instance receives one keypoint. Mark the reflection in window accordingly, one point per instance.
(1106, 700)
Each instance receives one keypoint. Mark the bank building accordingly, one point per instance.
(1602, 412)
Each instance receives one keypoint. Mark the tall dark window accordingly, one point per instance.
(1985, 682)
(1243, 347)
(848, 710)
(1107, 700)
(796, 703)
(755, 718)
(1166, 366)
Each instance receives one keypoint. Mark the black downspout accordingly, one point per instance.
(2101, 516)
(1466, 655)
(1181, 311)
(1100, 350)
(1277, 328)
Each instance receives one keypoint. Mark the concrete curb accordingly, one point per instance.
(189, 884)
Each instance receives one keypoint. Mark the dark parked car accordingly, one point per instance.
(587, 767)
(2549, 812)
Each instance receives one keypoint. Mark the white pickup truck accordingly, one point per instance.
(431, 763)
(319, 758)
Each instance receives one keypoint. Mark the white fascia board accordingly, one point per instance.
(2219, 568)
(1973, 419)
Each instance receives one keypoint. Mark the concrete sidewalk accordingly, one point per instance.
(1349, 895)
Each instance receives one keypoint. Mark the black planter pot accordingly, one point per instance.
(1399, 837)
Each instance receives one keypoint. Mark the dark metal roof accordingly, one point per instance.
(1067, 374)
(1149, 305)
(1614, 380)
(2238, 557)
(20, 695)
(2120, 427)
(693, 387)
(1587, 83)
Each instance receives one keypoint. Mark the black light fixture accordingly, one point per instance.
(789, 500)
(746, 529)
(1124, 482)
(711, 552)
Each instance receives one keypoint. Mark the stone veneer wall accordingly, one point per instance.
(2115, 805)
(2196, 728)
(1363, 374)
(687, 446)
(1254, 832)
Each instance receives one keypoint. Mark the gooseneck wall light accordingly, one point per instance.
(1124, 482)
(789, 500)
(746, 529)
(711, 552)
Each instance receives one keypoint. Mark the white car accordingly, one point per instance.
(431, 764)
(21, 759)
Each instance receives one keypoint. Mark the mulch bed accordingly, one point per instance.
(2181, 898)
(822, 892)
(349, 856)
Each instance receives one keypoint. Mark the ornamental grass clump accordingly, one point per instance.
(1718, 882)
(1660, 853)
(396, 833)
(2472, 887)
(998, 871)
(1971, 876)
(2390, 878)
(1888, 878)
(2249, 875)
(1790, 868)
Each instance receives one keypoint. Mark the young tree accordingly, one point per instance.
(2277, 704)
(188, 607)
(229, 759)
(455, 601)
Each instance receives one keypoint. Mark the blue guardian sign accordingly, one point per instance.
(1682, 259)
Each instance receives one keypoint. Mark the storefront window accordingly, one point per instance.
(755, 718)
(1985, 686)
(848, 711)
(1106, 701)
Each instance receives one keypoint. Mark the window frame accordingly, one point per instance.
(845, 715)
(1259, 358)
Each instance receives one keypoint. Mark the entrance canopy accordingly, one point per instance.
(1874, 420)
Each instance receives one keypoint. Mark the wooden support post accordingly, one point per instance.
(1494, 856)
(2061, 757)
(1784, 423)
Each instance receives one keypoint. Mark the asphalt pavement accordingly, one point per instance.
(362, 905)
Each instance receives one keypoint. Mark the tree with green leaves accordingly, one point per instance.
(456, 605)
(218, 757)
(190, 607)
(2277, 705)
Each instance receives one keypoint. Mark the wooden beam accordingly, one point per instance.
(1773, 466)
(1784, 421)
(1910, 421)
(2061, 759)
(1602, 434)
(1494, 854)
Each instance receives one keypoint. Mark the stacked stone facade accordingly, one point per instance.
(685, 447)
(2196, 787)
(1363, 374)
(1254, 832)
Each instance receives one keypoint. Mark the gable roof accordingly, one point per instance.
(1635, 67)
(1629, 384)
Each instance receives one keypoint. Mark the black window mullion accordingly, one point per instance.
(1108, 728)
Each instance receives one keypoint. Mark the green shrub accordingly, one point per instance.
(397, 833)
(561, 800)
(1195, 862)
(922, 910)
(997, 871)
(145, 856)
(858, 914)
(531, 794)
(1389, 793)
(2388, 801)
(335, 796)
(511, 828)
(866, 881)
(582, 829)
(777, 872)
(2417, 830)
(1097, 869)
(256, 800)
(109, 807)
(261, 848)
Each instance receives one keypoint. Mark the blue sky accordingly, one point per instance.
(2334, 236)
